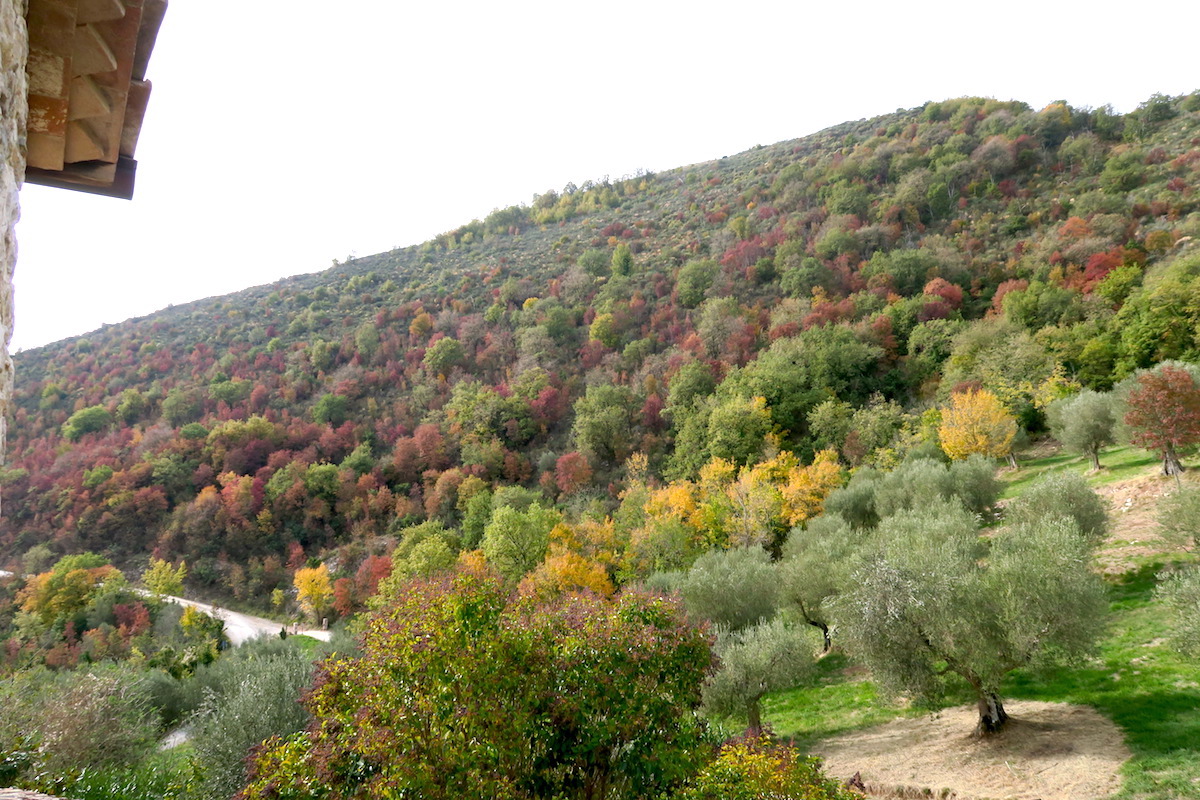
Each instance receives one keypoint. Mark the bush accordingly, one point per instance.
(1065, 494)
(462, 694)
(258, 697)
(56, 725)
(755, 768)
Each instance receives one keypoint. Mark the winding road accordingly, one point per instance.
(238, 627)
(243, 627)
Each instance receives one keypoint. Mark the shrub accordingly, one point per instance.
(756, 768)
(60, 724)
(257, 698)
(462, 694)
(1065, 494)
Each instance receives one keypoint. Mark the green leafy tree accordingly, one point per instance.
(622, 260)
(180, 407)
(132, 407)
(366, 340)
(603, 428)
(92, 419)
(444, 355)
(693, 280)
(460, 694)
(331, 409)
(162, 579)
(738, 430)
(515, 542)
(932, 598)
(603, 330)
(799, 372)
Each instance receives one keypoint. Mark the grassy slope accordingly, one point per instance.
(1135, 679)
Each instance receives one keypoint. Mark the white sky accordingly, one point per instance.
(283, 134)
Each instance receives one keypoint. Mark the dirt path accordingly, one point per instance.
(1134, 532)
(1048, 751)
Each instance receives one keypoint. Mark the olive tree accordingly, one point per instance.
(816, 566)
(1181, 593)
(1084, 423)
(732, 588)
(255, 697)
(1179, 515)
(1065, 494)
(765, 658)
(932, 598)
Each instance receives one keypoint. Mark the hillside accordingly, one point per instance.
(866, 270)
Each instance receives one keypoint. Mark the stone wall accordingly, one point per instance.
(14, 48)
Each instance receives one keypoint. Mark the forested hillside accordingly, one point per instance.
(619, 353)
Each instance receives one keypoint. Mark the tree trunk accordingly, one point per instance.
(1095, 454)
(1012, 460)
(992, 715)
(1171, 465)
(824, 629)
(754, 715)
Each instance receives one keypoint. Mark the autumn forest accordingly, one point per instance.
(605, 392)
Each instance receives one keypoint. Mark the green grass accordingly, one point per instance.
(1117, 464)
(165, 775)
(1151, 693)
(1138, 682)
(832, 704)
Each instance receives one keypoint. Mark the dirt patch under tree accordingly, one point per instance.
(1047, 751)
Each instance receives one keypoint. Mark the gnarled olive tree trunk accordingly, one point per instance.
(992, 715)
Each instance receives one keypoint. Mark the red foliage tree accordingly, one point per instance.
(1164, 414)
(572, 472)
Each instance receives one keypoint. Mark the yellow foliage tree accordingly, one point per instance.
(977, 422)
(806, 488)
(314, 591)
(565, 571)
(756, 505)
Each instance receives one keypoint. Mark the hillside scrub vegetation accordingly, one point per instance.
(594, 479)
